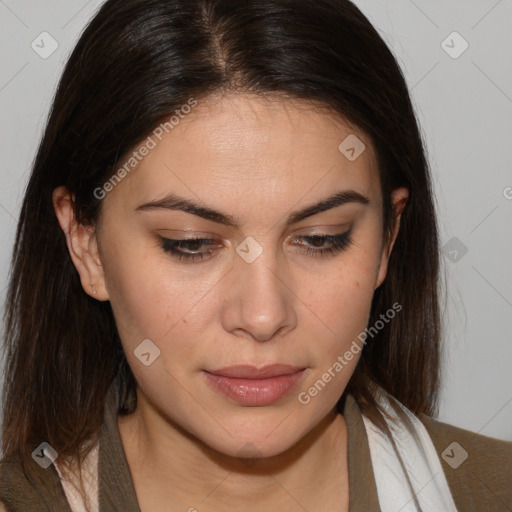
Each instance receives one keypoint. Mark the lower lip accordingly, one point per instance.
(254, 391)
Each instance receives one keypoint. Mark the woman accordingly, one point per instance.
(224, 291)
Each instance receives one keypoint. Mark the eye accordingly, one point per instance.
(187, 249)
(325, 245)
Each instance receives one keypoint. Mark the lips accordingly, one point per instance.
(252, 386)
(253, 372)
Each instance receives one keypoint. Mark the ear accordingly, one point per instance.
(82, 245)
(399, 197)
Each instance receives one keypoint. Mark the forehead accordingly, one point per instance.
(249, 148)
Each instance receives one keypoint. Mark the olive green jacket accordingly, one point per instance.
(482, 483)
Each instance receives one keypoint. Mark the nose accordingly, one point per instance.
(258, 300)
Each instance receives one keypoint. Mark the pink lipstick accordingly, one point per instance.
(249, 385)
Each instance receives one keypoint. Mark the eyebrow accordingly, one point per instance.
(174, 202)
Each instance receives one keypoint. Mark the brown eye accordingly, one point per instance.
(325, 245)
(187, 249)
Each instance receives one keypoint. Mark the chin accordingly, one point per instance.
(252, 438)
(248, 447)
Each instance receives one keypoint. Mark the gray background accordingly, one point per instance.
(464, 105)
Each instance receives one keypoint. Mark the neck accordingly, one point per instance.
(166, 461)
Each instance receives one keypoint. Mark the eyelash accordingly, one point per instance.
(339, 242)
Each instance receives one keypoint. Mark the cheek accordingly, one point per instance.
(341, 295)
(151, 299)
(341, 300)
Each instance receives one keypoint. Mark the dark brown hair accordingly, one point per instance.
(134, 65)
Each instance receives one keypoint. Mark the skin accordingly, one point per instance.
(256, 159)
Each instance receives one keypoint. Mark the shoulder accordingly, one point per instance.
(19, 492)
(478, 468)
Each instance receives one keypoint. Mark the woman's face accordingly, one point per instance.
(259, 291)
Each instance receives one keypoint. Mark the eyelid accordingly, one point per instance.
(184, 232)
(318, 230)
(325, 230)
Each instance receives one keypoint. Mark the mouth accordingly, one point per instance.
(253, 386)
